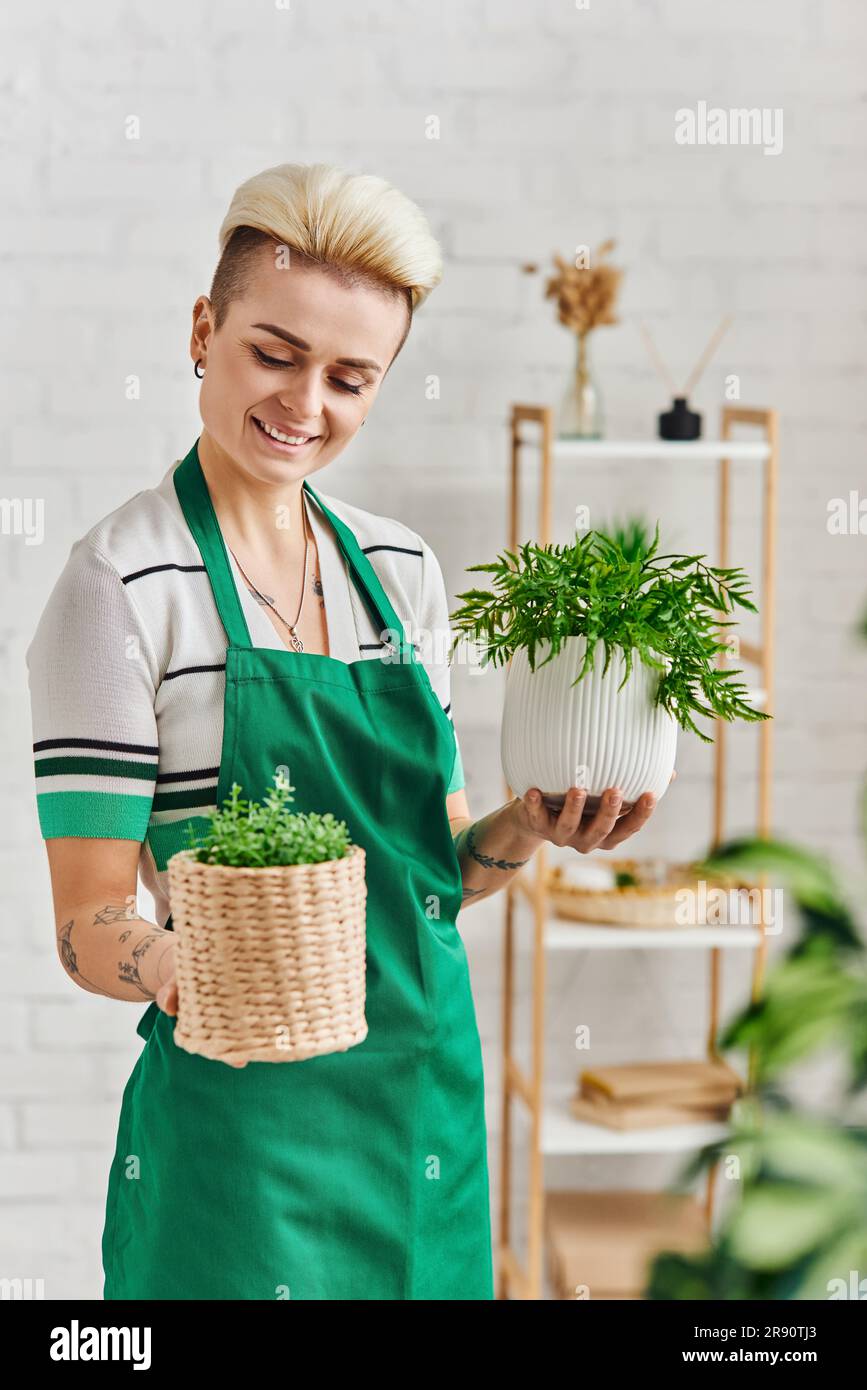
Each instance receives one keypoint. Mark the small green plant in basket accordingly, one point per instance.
(260, 895)
(249, 834)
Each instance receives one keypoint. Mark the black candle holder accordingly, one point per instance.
(680, 422)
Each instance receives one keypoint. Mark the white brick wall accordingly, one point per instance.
(556, 129)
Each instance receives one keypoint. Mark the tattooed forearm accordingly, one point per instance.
(141, 969)
(490, 851)
(488, 861)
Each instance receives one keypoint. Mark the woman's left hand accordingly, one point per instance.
(609, 827)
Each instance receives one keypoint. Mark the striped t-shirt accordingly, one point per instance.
(127, 666)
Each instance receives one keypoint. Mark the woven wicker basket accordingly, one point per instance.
(651, 902)
(270, 962)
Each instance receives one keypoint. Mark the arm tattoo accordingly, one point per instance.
(128, 971)
(486, 860)
(112, 912)
(69, 959)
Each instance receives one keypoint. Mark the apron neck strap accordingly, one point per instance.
(198, 509)
(366, 579)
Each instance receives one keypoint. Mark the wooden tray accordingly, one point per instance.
(652, 901)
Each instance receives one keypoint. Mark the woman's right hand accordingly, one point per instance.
(167, 997)
(167, 994)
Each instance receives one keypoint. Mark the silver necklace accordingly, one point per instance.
(263, 598)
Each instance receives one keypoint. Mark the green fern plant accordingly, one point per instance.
(620, 592)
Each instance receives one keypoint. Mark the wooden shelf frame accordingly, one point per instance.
(513, 1278)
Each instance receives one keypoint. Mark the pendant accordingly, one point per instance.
(296, 641)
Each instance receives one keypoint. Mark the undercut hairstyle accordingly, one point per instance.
(354, 227)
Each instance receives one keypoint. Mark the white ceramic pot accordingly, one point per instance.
(556, 735)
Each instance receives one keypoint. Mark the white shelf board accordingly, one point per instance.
(561, 935)
(563, 1134)
(695, 449)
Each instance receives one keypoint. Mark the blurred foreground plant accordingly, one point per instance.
(798, 1229)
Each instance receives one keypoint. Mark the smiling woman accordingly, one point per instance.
(226, 623)
(230, 622)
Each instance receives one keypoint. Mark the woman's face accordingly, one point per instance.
(301, 353)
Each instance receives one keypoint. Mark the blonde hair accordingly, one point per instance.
(355, 226)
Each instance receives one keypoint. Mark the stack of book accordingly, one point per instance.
(645, 1094)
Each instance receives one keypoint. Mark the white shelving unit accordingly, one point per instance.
(553, 1129)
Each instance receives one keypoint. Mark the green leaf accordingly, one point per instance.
(778, 1223)
(808, 875)
(798, 1150)
(618, 589)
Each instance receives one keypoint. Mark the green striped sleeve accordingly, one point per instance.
(93, 676)
(94, 787)
(97, 814)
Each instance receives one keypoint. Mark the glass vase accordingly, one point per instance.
(580, 413)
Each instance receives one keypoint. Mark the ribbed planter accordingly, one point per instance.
(556, 734)
(270, 962)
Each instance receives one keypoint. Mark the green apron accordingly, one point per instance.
(361, 1174)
